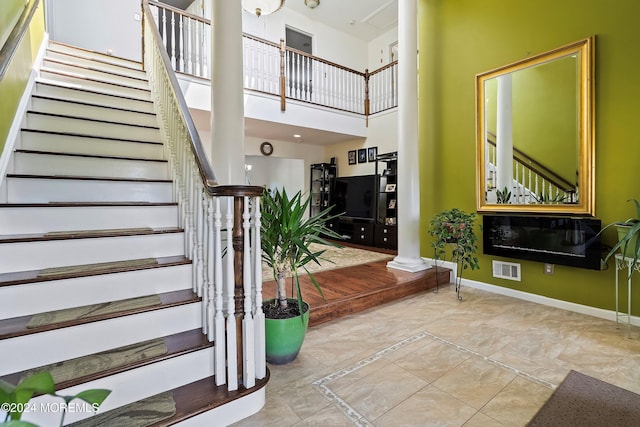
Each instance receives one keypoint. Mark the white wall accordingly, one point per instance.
(328, 43)
(382, 133)
(309, 154)
(102, 26)
(378, 51)
(276, 172)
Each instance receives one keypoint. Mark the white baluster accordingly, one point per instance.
(248, 337)
(220, 338)
(258, 317)
(173, 40)
(200, 235)
(232, 355)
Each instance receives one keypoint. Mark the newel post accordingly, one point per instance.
(283, 78)
(367, 102)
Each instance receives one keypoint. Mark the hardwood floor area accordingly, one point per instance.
(352, 289)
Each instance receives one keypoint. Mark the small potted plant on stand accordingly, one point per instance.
(286, 239)
(454, 227)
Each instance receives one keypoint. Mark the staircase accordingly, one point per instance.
(95, 280)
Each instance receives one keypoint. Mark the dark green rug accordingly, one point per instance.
(103, 361)
(138, 414)
(89, 311)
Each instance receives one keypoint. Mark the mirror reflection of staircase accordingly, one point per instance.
(95, 286)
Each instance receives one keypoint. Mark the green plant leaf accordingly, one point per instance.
(18, 423)
(92, 396)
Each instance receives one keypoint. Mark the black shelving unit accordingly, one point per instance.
(323, 179)
(386, 231)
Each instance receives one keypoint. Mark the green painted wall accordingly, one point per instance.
(9, 14)
(461, 38)
(15, 79)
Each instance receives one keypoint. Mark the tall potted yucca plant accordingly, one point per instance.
(286, 238)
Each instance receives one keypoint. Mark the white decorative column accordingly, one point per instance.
(227, 93)
(504, 135)
(409, 233)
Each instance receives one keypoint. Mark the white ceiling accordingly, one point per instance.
(364, 19)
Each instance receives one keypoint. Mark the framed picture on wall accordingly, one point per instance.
(352, 157)
(362, 155)
(372, 153)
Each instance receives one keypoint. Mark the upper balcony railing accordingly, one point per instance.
(276, 69)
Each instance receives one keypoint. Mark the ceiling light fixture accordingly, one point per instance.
(312, 4)
(262, 7)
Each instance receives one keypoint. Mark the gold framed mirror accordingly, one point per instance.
(536, 117)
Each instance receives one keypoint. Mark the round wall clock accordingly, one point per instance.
(266, 148)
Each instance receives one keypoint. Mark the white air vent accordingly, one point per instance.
(506, 270)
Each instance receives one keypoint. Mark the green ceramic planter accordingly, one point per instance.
(284, 337)
(631, 245)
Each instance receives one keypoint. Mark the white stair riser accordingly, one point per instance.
(42, 190)
(46, 75)
(25, 220)
(93, 74)
(91, 127)
(94, 55)
(26, 352)
(86, 145)
(92, 112)
(53, 164)
(107, 100)
(137, 384)
(52, 54)
(26, 256)
(41, 297)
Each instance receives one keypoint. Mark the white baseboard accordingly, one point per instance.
(538, 299)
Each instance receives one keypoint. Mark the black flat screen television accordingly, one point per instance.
(354, 196)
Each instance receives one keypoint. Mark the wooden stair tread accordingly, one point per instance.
(86, 234)
(90, 104)
(85, 178)
(83, 204)
(204, 395)
(90, 79)
(45, 275)
(99, 70)
(17, 326)
(82, 89)
(176, 344)
(53, 43)
(83, 135)
(93, 156)
(86, 119)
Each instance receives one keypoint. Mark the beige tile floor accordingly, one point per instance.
(429, 360)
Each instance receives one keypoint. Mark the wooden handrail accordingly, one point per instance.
(537, 167)
(204, 167)
(179, 11)
(324, 61)
(15, 37)
(381, 69)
